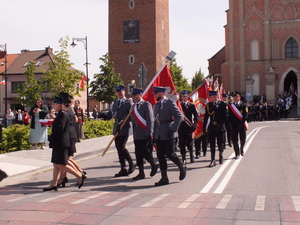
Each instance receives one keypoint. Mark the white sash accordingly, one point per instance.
(139, 119)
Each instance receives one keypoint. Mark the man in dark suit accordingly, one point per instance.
(167, 118)
(187, 126)
(227, 124)
(19, 117)
(214, 122)
(143, 123)
(238, 114)
(120, 109)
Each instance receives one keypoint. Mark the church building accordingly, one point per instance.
(261, 53)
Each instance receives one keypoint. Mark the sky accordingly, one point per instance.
(196, 29)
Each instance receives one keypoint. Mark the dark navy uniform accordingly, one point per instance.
(120, 109)
(187, 128)
(238, 126)
(143, 123)
(214, 120)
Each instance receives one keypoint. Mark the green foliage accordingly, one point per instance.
(103, 87)
(61, 76)
(197, 78)
(32, 89)
(15, 138)
(97, 128)
(180, 82)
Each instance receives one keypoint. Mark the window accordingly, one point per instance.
(254, 50)
(17, 85)
(26, 64)
(131, 59)
(131, 4)
(291, 49)
(39, 63)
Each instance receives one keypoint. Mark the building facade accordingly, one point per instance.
(138, 39)
(261, 54)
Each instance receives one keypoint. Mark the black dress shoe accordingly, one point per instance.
(84, 172)
(153, 170)
(139, 177)
(230, 145)
(122, 173)
(237, 157)
(212, 163)
(182, 174)
(131, 168)
(63, 182)
(54, 188)
(197, 157)
(82, 181)
(162, 181)
(242, 153)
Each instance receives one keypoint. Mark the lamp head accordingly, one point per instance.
(73, 44)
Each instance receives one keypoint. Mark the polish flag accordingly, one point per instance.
(2, 82)
(83, 79)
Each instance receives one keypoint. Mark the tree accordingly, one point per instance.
(61, 77)
(197, 78)
(180, 82)
(31, 89)
(103, 87)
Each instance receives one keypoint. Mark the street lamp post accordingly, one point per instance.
(85, 42)
(4, 47)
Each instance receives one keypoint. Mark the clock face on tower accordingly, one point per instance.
(131, 31)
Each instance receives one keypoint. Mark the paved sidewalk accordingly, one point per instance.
(18, 162)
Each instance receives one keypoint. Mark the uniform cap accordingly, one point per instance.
(137, 91)
(235, 93)
(211, 93)
(224, 95)
(159, 89)
(184, 92)
(120, 87)
(58, 100)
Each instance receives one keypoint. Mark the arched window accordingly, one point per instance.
(131, 4)
(291, 49)
(255, 77)
(254, 49)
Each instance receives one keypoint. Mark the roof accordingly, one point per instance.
(10, 59)
(40, 57)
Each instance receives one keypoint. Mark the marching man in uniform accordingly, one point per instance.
(167, 118)
(143, 123)
(238, 114)
(214, 121)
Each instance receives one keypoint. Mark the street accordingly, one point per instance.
(262, 187)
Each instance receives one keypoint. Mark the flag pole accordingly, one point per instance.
(169, 58)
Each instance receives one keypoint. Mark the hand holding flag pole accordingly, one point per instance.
(169, 58)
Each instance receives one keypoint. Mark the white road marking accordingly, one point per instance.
(296, 200)
(260, 203)
(188, 201)
(217, 175)
(224, 201)
(24, 197)
(57, 197)
(89, 198)
(155, 200)
(232, 169)
(122, 199)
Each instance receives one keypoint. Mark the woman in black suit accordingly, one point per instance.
(60, 144)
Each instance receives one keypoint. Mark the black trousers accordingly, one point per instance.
(212, 135)
(165, 149)
(238, 132)
(185, 139)
(201, 142)
(123, 153)
(142, 152)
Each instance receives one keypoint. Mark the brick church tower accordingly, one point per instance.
(261, 53)
(138, 35)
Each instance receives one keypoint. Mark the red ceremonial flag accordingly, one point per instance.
(83, 79)
(163, 79)
(200, 98)
(2, 82)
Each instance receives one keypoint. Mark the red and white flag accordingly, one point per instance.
(83, 79)
(163, 79)
(2, 82)
(200, 98)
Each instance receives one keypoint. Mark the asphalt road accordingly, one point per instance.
(263, 187)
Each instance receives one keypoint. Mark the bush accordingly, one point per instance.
(97, 128)
(15, 138)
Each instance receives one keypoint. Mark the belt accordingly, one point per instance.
(159, 122)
